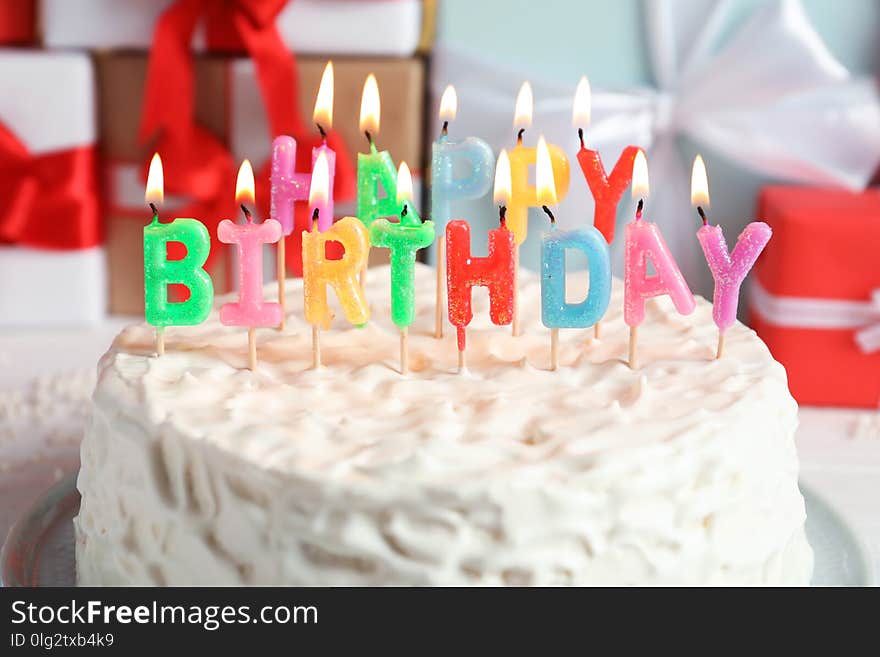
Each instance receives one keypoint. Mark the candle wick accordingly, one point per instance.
(581, 137)
(369, 137)
(246, 212)
(640, 207)
(155, 212)
(315, 213)
(404, 211)
(702, 214)
(549, 214)
(519, 136)
(322, 131)
(445, 129)
(502, 215)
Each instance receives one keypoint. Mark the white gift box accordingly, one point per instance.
(325, 27)
(48, 103)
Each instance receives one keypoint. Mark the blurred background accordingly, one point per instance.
(779, 97)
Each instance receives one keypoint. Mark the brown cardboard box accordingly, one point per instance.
(120, 90)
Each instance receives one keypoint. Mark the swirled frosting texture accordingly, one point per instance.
(197, 471)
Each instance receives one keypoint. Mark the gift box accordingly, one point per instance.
(815, 293)
(17, 22)
(742, 83)
(229, 106)
(52, 269)
(337, 27)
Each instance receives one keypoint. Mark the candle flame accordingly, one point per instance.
(448, 104)
(323, 113)
(404, 184)
(319, 188)
(370, 106)
(699, 183)
(544, 183)
(522, 117)
(155, 192)
(244, 184)
(581, 110)
(502, 179)
(640, 186)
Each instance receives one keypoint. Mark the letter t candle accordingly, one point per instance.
(728, 269)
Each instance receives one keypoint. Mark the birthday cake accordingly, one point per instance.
(198, 471)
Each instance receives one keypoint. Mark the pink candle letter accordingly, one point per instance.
(730, 269)
(643, 241)
(289, 186)
(250, 310)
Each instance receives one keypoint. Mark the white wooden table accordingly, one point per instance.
(46, 375)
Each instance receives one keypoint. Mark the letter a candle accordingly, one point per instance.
(160, 272)
(728, 269)
(607, 190)
(342, 274)
(250, 310)
(496, 271)
(522, 194)
(288, 186)
(404, 239)
(471, 153)
(643, 242)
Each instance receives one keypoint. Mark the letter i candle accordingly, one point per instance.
(643, 242)
(496, 271)
(160, 272)
(447, 187)
(729, 270)
(250, 310)
(607, 190)
(287, 186)
(404, 239)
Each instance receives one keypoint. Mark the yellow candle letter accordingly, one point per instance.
(342, 275)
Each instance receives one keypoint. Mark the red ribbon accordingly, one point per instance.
(198, 164)
(50, 201)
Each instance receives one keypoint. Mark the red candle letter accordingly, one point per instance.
(463, 272)
(607, 190)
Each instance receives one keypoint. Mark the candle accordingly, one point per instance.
(556, 313)
(159, 272)
(606, 190)
(496, 271)
(376, 167)
(287, 186)
(728, 269)
(404, 239)
(341, 274)
(644, 241)
(250, 310)
(472, 155)
(523, 195)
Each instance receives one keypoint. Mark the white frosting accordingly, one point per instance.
(196, 471)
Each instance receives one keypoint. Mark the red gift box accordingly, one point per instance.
(17, 21)
(816, 293)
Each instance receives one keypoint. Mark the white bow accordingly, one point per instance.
(816, 313)
(770, 98)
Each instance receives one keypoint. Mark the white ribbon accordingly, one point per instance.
(817, 313)
(770, 98)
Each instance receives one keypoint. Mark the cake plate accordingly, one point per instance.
(39, 550)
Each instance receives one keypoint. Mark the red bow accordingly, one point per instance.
(50, 200)
(199, 165)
